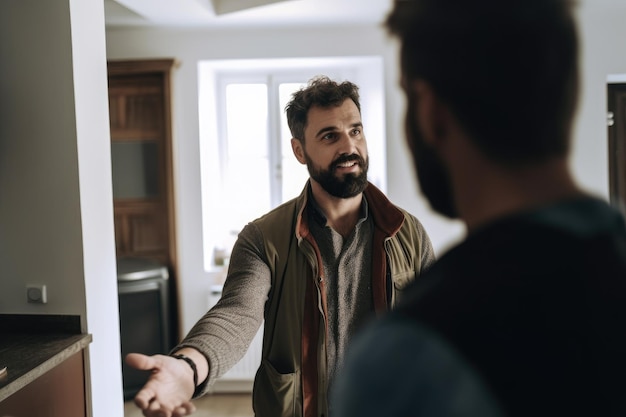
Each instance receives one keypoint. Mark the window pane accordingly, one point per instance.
(135, 169)
(246, 120)
(247, 193)
(294, 173)
(246, 186)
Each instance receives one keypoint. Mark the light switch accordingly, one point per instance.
(36, 294)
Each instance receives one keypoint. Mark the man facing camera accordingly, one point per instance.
(313, 270)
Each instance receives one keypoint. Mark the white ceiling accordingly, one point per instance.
(229, 13)
(247, 13)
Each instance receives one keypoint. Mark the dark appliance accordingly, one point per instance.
(144, 315)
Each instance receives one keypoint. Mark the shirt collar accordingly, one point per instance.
(317, 214)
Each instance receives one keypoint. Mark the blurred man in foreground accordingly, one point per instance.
(526, 317)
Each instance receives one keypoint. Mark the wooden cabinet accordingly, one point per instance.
(141, 153)
(59, 392)
(44, 355)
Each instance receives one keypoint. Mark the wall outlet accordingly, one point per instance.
(36, 294)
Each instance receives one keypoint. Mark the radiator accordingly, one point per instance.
(241, 376)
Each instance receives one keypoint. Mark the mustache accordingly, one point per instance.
(348, 158)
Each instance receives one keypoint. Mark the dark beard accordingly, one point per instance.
(348, 186)
(431, 173)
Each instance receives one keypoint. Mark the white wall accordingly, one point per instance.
(40, 219)
(56, 216)
(602, 34)
(96, 203)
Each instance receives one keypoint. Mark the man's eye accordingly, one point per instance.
(328, 136)
(356, 132)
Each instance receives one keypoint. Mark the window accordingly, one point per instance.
(247, 163)
(253, 157)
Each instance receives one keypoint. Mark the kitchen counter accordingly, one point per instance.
(27, 357)
(30, 346)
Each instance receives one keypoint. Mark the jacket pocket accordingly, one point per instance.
(276, 394)
(400, 281)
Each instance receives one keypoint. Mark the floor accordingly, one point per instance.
(212, 405)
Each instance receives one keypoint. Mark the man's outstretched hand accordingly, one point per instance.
(169, 389)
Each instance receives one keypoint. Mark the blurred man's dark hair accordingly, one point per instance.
(507, 69)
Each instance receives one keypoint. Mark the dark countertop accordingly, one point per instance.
(28, 355)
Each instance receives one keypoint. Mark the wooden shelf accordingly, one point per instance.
(141, 141)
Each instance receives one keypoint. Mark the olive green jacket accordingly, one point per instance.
(292, 378)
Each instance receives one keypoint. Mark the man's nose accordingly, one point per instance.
(348, 144)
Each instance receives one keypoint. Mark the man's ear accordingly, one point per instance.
(298, 150)
(431, 113)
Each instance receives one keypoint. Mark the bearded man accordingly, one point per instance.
(312, 270)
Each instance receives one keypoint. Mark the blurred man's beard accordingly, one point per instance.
(348, 186)
(431, 173)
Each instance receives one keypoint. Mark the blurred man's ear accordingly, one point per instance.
(431, 113)
(298, 150)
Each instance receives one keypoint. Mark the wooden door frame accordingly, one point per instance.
(616, 127)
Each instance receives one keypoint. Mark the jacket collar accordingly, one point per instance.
(387, 217)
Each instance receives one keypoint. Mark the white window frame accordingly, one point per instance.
(366, 72)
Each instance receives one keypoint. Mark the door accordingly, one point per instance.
(616, 120)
